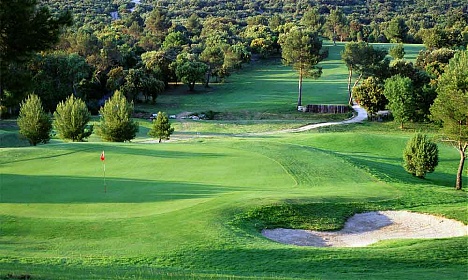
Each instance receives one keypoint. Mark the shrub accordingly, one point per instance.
(71, 118)
(116, 123)
(33, 122)
(421, 156)
(161, 127)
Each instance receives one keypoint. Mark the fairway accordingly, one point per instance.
(195, 208)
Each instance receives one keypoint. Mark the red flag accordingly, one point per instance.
(102, 156)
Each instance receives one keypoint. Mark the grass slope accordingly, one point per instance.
(194, 209)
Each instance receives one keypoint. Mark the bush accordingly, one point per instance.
(33, 122)
(71, 118)
(116, 123)
(161, 127)
(421, 156)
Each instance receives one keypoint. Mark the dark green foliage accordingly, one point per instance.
(190, 72)
(397, 51)
(161, 128)
(57, 75)
(363, 59)
(71, 119)
(450, 108)
(424, 91)
(24, 29)
(434, 61)
(421, 156)
(116, 123)
(33, 122)
(397, 30)
(370, 95)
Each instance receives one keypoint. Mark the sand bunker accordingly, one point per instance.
(368, 228)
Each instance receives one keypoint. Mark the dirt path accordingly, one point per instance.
(368, 228)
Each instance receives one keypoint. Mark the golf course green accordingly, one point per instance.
(194, 207)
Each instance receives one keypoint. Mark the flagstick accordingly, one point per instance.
(105, 186)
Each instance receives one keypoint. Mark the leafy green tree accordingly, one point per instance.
(26, 28)
(397, 51)
(194, 25)
(190, 72)
(434, 61)
(116, 122)
(370, 95)
(33, 122)
(365, 60)
(161, 128)
(399, 92)
(301, 49)
(336, 24)
(138, 81)
(433, 38)
(313, 20)
(421, 156)
(234, 56)
(71, 119)
(397, 30)
(424, 91)
(174, 40)
(213, 56)
(158, 62)
(450, 108)
(57, 75)
(157, 23)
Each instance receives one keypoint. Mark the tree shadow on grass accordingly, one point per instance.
(111, 149)
(393, 171)
(63, 189)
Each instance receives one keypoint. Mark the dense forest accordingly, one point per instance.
(143, 47)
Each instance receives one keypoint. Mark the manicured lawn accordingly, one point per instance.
(194, 209)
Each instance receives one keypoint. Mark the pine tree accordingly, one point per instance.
(301, 49)
(450, 108)
(421, 156)
(71, 118)
(33, 122)
(116, 123)
(161, 127)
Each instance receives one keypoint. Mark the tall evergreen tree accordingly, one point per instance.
(161, 128)
(363, 59)
(116, 122)
(33, 122)
(421, 156)
(450, 107)
(301, 49)
(25, 28)
(71, 118)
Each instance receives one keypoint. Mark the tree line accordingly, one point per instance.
(155, 44)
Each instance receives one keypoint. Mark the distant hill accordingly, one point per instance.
(364, 10)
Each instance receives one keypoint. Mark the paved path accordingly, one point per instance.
(360, 117)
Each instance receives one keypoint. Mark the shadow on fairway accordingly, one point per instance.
(62, 189)
(111, 149)
(394, 172)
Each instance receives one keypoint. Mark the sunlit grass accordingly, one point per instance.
(194, 209)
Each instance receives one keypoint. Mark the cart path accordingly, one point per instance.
(361, 115)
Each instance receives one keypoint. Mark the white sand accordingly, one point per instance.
(368, 228)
